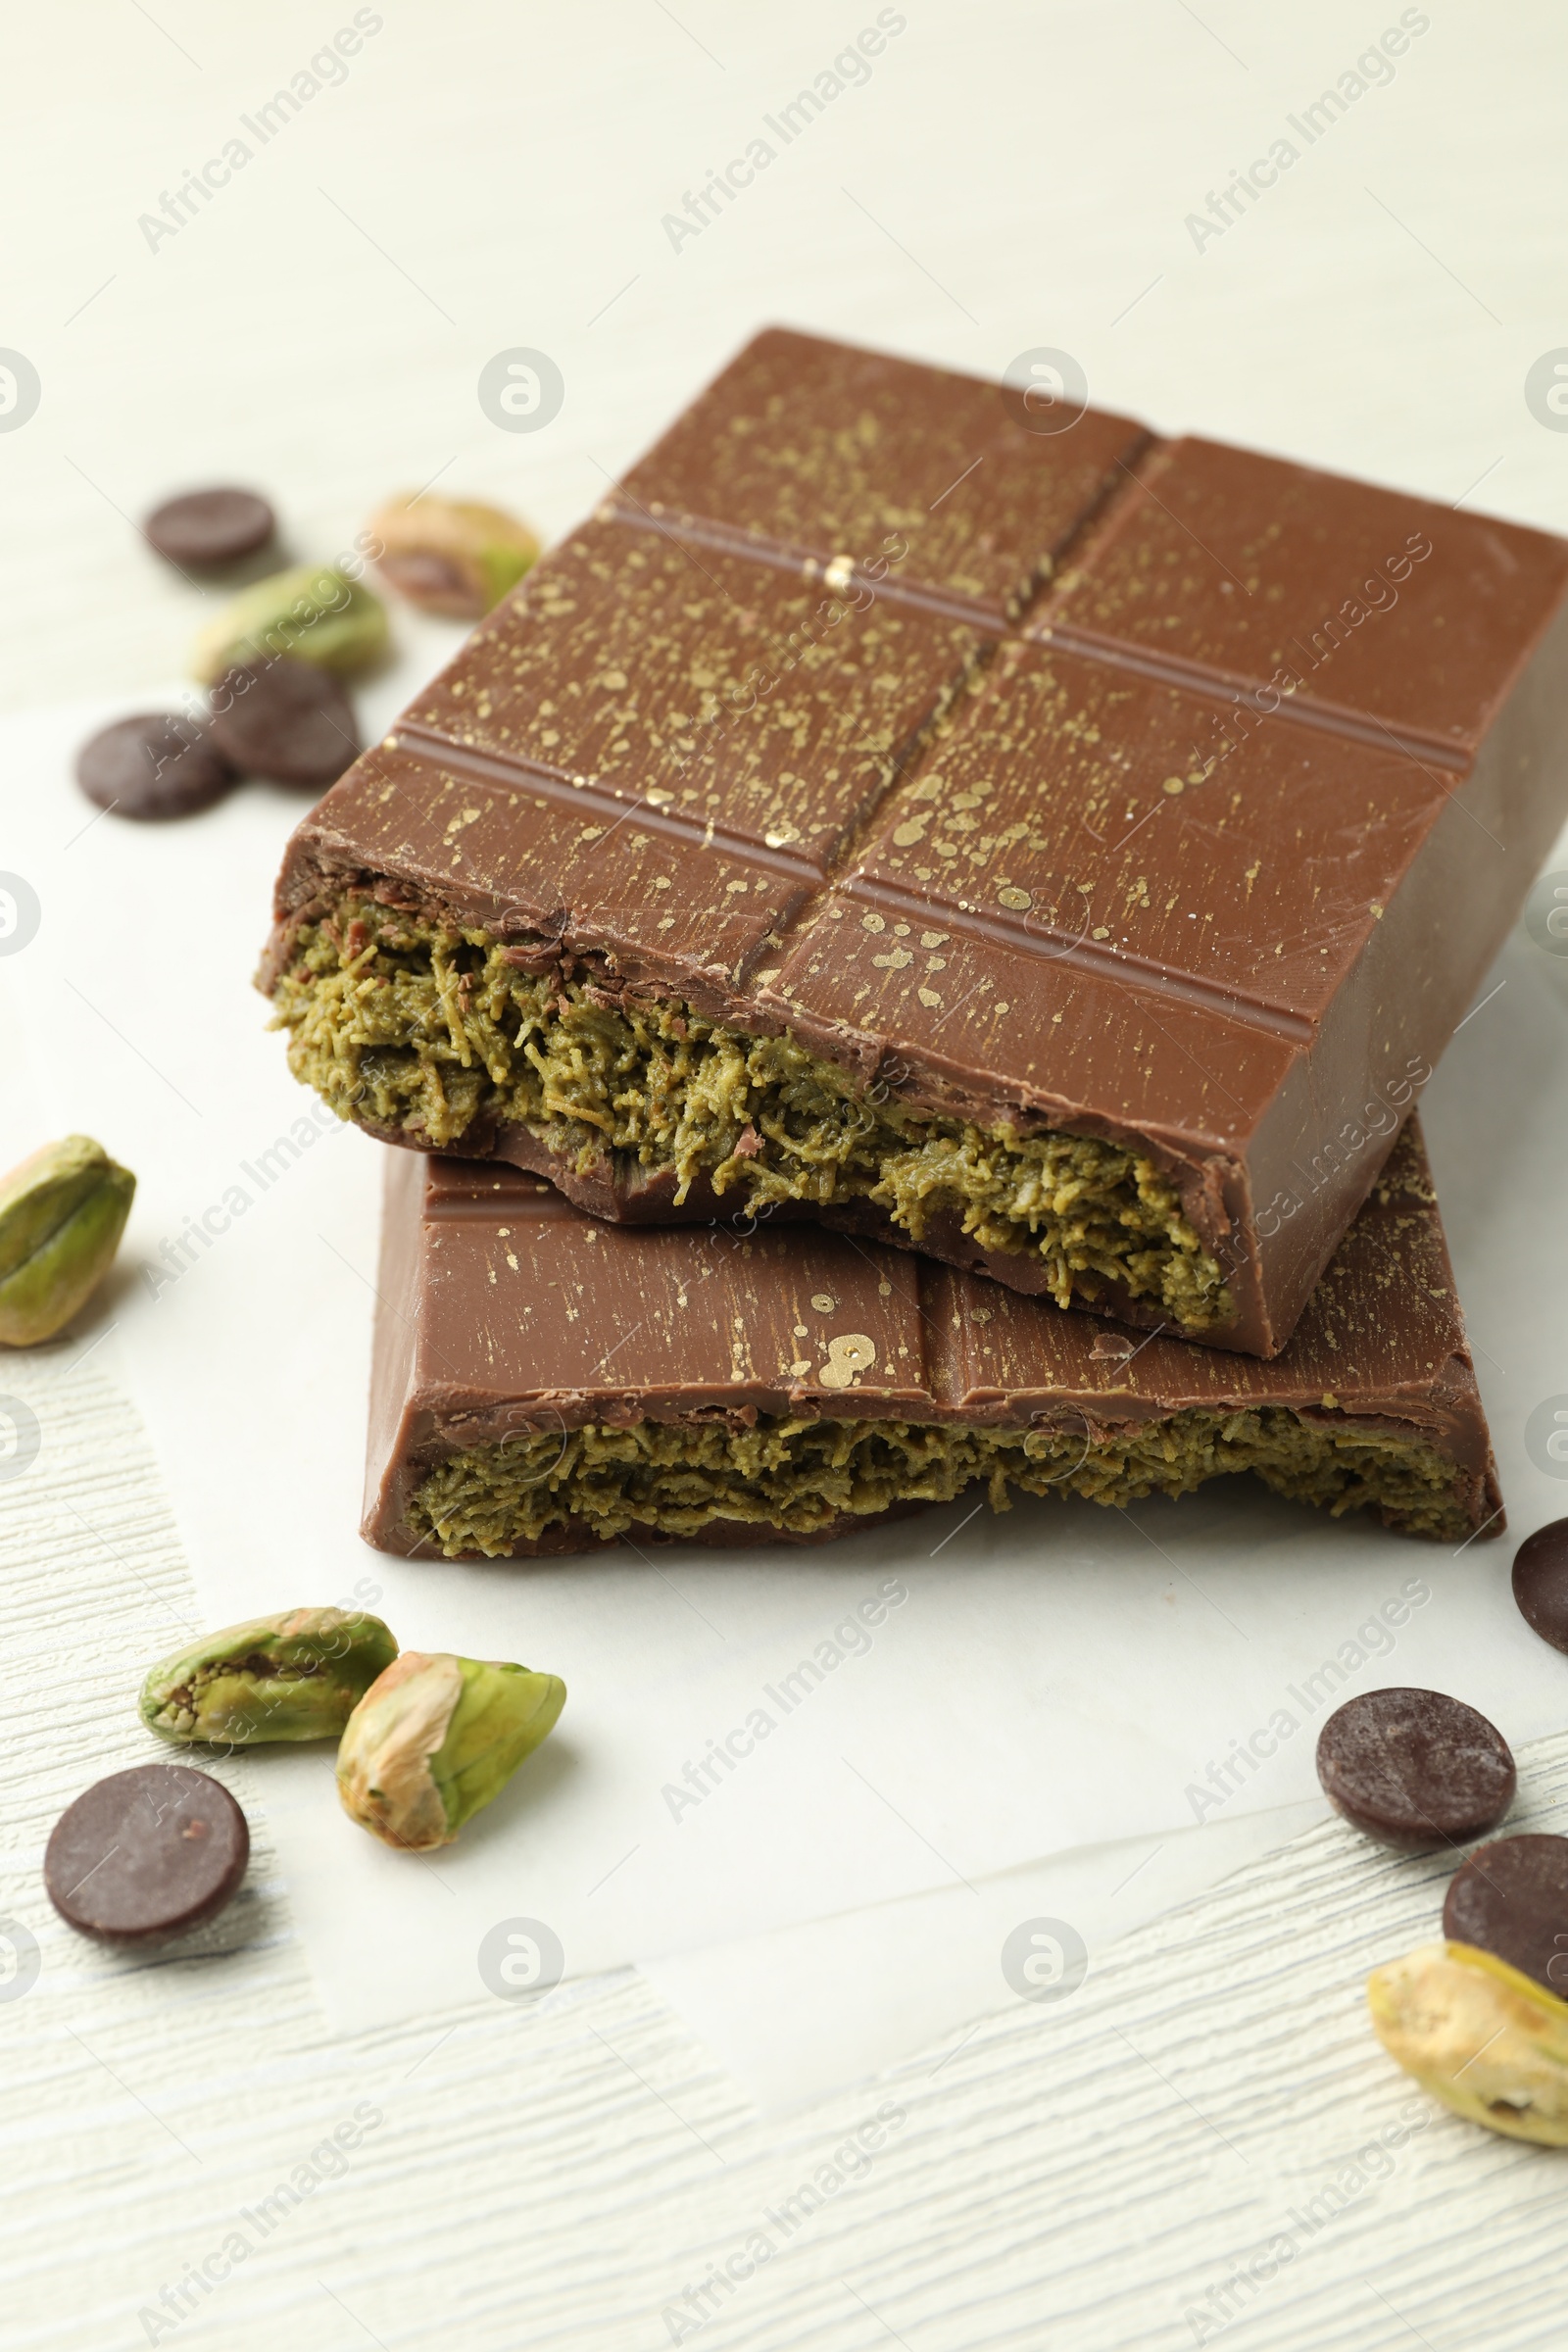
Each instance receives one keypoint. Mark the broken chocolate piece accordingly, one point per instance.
(902, 816)
(545, 1383)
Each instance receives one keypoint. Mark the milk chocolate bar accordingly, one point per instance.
(544, 1382)
(1063, 852)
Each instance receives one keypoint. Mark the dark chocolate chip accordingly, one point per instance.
(1540, 1581)
(208, 527)
(287, 721)
(1511, 1899)
(155, 765)
(146, 1854)
(1416, 1768)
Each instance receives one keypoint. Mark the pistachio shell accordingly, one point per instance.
(62, 1214)
(295, 1676)
(452, 555)
(435, 1739)
(1489, 2042)
(314, 612)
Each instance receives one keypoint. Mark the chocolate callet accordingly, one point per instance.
(1540, 1581)
(1416, 1768)
(208, 528)
(154, 766)
(1511, 1899)
(146, 1854)
(288, 720)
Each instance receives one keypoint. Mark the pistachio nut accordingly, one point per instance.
(436, 1737)
(315, 613)
(62, 1214)
(295, 1676)
(1491, 2043)
(451, 555)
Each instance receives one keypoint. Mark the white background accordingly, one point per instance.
(489, 176)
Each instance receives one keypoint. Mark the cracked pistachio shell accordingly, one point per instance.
(295, 1676)
(1489, 2042)
(452, 555)
(314, 612)
(436, 1737)
(62, 1214)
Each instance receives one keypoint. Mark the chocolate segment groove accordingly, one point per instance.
(1237, 694)
(579, 793)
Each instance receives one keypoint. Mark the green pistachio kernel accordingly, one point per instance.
(435, 1739)
(314, 612)
(62, 1214)
(295, 1676)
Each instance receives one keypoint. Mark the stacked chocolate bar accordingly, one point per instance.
(956, 902)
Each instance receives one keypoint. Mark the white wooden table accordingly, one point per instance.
(1122, 2168)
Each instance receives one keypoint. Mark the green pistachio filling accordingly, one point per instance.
(400, 1023)
(805, 1475)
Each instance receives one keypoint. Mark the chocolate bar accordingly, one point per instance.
(544, 1382)
(1063, 853)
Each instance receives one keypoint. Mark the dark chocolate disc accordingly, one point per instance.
(1540, 1581)
(1511, 1899)
(1416, 1768)
(204, 528)
(287, 721)
(147, 1853)
(155, 765)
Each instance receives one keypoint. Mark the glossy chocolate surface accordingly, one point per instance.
(504, 1309)
(1157, 790)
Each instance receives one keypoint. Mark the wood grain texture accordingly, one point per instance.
(1087, 2175)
